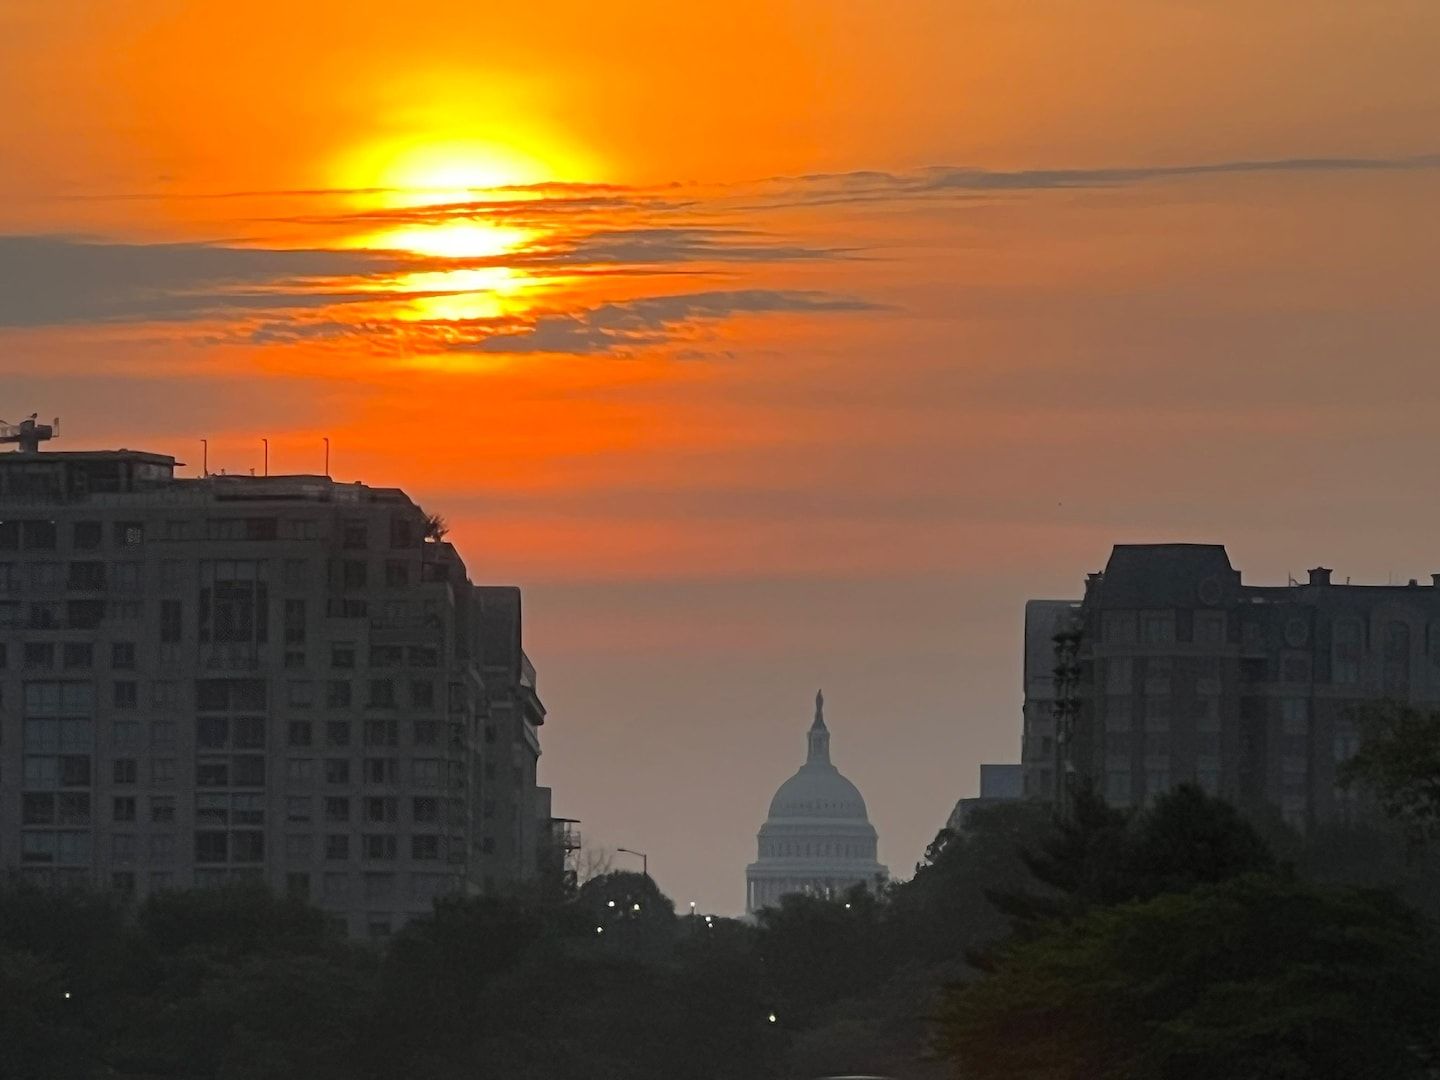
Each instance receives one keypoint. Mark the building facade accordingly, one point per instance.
(272, 678)
(1183, 672)
(817, 839)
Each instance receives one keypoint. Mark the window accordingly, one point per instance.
(397, 573)
(162, 771)
(1119, 675)
(1118, 627)
(56, 848)
(300, 770)
(172, 628)
(1157, 714)
(126, 694)
(129, 534)
(337, 694)
(1157, 627)
(382, 656)
(166, 694)
(294, 622)
(37, 808)
(175, 530)
(380, 846)
(342, 655)
(125, 734)
(353, 574)
(39, 655)
(162, 734)
(1157, 778)
(381, 811)
(382, 733)
(337, 733)
(422, 694)
(427, 732)
(382, 771)
(382, 694)
(1397, 659)
(1346, 639)
(125, 611)
(337, 809)
(127, 576)
(425, 810)
(337, 771)
(1207, 774)
(301, 694)
(162, 847)
(337, 847)
(123, 808)
(172, 574)
(162, 809)
(1210, 628)
(299, 529)
(125, 771)
(298, 733)
(297, 809)
(38, 535)
(86, 535)
(122, 655)
(1344, 746)
(298, 847)
(86, 576)
(79, 654)
(425, 846)
(355, 535)
(248, 770)
(424, 656)
(212, 846)
(427, 772)
(1117, 714)
(1295, 716)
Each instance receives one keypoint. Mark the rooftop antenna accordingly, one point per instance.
(267, 456)
(28, 435)
(204, 457)
(327, 456)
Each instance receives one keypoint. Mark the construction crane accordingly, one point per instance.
(28, 434)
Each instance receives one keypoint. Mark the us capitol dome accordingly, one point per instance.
(818, 839)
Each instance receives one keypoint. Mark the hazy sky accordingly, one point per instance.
(767, 345)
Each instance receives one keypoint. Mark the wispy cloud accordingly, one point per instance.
(652, 320)
(941, 180)
(352, 280)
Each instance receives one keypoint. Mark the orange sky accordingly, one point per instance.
(766, 344)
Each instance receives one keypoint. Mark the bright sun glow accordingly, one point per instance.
(426, 173)
(436, 172)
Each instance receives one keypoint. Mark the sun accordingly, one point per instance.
(429, 172)
(417, 173)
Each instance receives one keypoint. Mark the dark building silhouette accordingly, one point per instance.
(280, 678)
(1183, 672)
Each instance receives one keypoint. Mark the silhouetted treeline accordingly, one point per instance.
(1173, 942)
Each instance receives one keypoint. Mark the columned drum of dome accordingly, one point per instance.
(818, 838)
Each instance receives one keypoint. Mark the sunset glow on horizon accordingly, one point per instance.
(766, 345)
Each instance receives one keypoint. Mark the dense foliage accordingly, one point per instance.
(1169, 942)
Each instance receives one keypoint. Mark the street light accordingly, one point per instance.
(644, 859)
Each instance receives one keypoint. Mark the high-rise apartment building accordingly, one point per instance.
(1183, 672)
(278, 678)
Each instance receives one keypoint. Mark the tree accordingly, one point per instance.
(1399, 763)
(1100, 855)
(1258, 976)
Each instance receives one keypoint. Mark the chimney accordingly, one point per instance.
(1320, 575)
